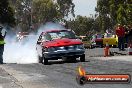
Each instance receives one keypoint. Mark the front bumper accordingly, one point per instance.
(63, 53)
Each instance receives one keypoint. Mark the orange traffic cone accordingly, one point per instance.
(106, 50)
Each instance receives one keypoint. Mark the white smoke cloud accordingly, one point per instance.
(50, 26)
(25, 51)
(20, 52)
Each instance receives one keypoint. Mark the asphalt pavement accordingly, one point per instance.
(61, 74)
(6, 80)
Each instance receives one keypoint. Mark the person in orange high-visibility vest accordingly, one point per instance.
(2, 42)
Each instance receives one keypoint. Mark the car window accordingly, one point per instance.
(93, 37)
(59, 35)
(99, 36)
(108, 35)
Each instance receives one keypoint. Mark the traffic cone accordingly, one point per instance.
(106, 50)
(130, 49)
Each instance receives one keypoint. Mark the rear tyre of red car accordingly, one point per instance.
(69, 59)
(73, 59)
(102, 46)
(82, 58)
(91, 47)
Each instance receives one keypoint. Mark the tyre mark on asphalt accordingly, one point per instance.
(15, 81)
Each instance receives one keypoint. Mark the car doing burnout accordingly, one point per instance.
(59, 44)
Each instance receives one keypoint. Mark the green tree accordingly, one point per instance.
(104, 17)
(121, 18)
(66, 7)
(129, 13)
(53, 10)
(22, 13)
(44, 11)
(114, 12)
(6, 13)
(83, 25)
(30, 14)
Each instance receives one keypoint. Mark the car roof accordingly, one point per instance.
(55, 30)
(23, 32)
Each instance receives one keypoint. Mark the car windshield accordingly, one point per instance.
(108, 35)
(59, 35)
(99, 36)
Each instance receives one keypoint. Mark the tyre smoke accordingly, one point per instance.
(24, 52)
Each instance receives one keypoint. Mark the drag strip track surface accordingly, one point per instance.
(60, 74)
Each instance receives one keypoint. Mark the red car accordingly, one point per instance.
(59, 44)
(21, 35)
(97, 41)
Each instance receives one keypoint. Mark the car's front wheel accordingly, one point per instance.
(73, 59)
(69, 59)
(40, 59)
(114, 46)
(82, 58)
(92, 46)
(45, 60)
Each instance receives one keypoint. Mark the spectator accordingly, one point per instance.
(126, 34)
(120, 32)
(130, 35)
(2, 42)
